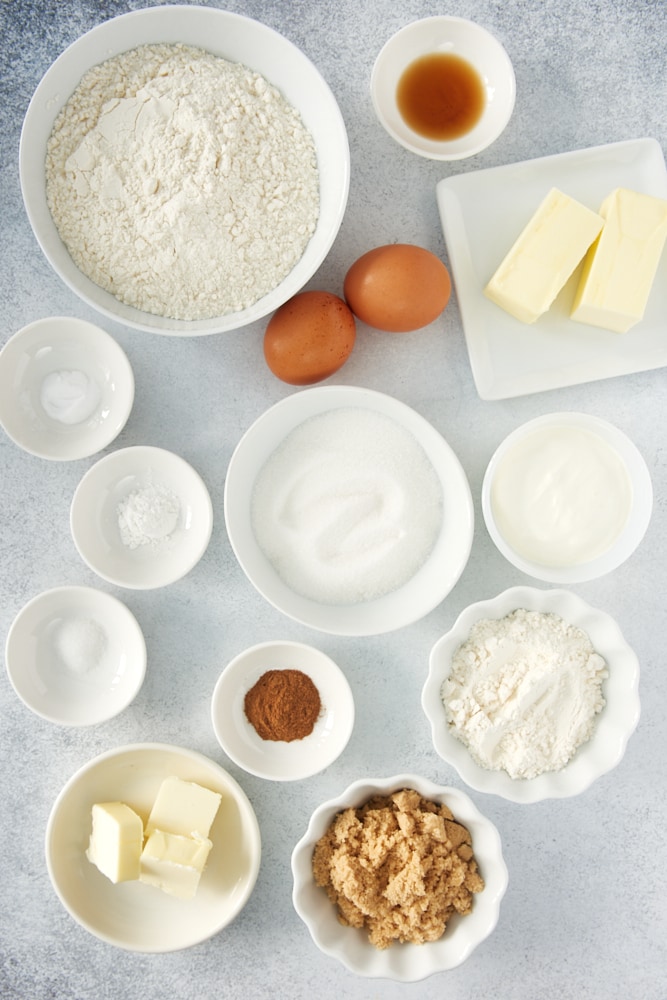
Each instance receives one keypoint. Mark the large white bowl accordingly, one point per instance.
(132, 915)
(233, 37)
(430, 584)
(65, 689)
(456, 36)
(402, 962)
(635, 526)
(614, 725)
(44, 348)
(274, 759)
(94, 518)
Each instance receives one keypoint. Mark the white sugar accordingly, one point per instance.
(348, 507)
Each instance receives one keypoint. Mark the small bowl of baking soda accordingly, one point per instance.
(532, 695)
(282, 710)
(75, 656)
(66, 388)
(141, 517)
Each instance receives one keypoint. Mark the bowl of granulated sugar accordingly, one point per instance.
(348, 511)
(532, 694)
(146, 196)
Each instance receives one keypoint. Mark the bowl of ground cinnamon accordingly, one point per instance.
(282, 710)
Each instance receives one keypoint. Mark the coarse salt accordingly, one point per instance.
(80, 644)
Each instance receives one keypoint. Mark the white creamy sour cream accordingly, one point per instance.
(561, 496)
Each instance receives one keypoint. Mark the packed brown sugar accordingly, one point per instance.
(399, 867)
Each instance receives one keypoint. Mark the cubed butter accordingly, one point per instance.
(620, 267)
(543, 257)
(116, 841)
(183, 807)
(174, 863)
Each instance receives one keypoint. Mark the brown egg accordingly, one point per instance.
(399, 287)
(309, 338)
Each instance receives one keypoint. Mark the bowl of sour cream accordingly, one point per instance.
(567, 497)
(66, 388)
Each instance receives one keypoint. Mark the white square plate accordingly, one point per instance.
(482, 213)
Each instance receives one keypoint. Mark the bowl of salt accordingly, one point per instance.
(141, 517)
(348, 511)
(75, 656)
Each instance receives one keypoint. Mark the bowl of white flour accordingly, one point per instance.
(185, 170)
(532, 695)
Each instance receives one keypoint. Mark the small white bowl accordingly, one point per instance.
(431, 583)
(469, 41)
(638, 518)
(614, 725)
(75, 656)
(404, 963)
(237, 39)
(132, 915)
(41, 351)
(280, 760)
(94, 518)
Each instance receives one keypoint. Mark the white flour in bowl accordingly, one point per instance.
(523, 692)
(185, 185)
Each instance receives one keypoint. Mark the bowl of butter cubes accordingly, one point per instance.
(153, 848)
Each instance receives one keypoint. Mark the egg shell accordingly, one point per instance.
(309, 338)
(397, 288)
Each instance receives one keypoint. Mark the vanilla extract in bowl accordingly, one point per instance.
(440, 96)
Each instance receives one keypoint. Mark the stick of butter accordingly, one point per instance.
(183, 807)
(543, 257)
(116, 841)
(174, 863)
(620, 267)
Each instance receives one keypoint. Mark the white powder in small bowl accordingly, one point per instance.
(348, 507)
(80, 644)
(148, 516)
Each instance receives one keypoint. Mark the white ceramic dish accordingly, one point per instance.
(233, 37)
(132, 915)
(401, 962)
(482, 213)
(615, 723)
(280, 760)
(63, 669)
(40, 351)
(637, 521)
(459, 37)
(95, 526)
(432, 582)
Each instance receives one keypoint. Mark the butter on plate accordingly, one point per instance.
(174, 863)
(620, 267)
(116, 841)
(177, 844)
(544, 256)
(183, 807)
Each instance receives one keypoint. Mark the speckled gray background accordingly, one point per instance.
(584, 917)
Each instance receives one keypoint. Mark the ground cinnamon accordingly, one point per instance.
(283, 705)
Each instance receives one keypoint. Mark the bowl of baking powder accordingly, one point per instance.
(141, 517)
(532, 695)
(184, 169)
